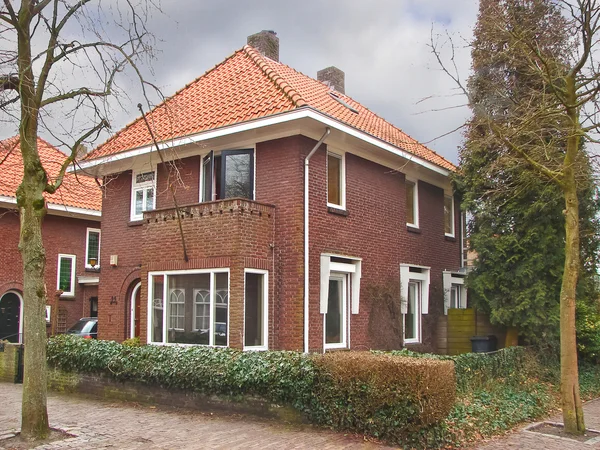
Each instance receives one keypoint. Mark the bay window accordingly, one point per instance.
(228, 174)
(189, 307)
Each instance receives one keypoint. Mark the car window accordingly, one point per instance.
(78, 326)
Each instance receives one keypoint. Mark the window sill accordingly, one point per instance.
(413, 229)
(337, 211)
(450, 238)
(93, 269)
(412, 342)
(328, 347)
(135, 223)
(67, 297)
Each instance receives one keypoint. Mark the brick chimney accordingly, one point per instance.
(333, 77)
(266, 42)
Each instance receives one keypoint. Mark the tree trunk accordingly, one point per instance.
(569, 374)
(34, 419)
(32, 208)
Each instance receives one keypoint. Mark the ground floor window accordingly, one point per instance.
(335, 318)
(455, 291)
(256, 320)
(65, 276)
(189, 307)
(414, 287)
(340, 295)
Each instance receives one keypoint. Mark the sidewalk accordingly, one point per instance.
(534, 441)
(103, 425)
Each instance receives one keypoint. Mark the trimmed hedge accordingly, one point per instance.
(382, 395)
(475, 370)
(379, 395)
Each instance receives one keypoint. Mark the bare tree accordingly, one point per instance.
(60, 66)
(544, 127)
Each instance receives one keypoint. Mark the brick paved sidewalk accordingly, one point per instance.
(103, 425)
(535, 441)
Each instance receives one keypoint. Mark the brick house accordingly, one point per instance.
(71, 235)
(296, 203)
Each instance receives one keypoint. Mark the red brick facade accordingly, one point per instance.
(268, 234)
(64, 235)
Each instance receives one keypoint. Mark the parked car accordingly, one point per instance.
(86, 327)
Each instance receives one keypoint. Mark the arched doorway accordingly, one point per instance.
(11, 317)
(135, 311)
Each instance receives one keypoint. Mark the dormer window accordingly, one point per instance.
(143, 194)
(229, 174)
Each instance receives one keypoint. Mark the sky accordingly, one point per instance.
(381, 45)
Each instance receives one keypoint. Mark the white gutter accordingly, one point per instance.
(63, 210)
(306, 238)
(259, 123)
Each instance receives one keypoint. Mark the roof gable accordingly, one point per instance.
(249, 86)
(78, 192)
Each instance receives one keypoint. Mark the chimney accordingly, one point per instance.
(332, 77)
(267, 43)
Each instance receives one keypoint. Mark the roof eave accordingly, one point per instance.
(57, 209)
(288, 116)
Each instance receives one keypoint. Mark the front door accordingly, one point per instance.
(10, 315)
(136, 327)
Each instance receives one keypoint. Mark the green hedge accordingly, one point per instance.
(475, 370)
(379, 395)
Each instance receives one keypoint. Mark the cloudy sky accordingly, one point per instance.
(381, 45)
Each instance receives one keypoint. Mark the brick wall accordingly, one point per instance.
(229, 235)
(103, 387)
(61, 235)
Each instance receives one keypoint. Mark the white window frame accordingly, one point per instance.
(415, 202)
(73, 259)
(342, 157)
(165, 274)
(87, 247)
(343, 277)
(142, 186)
(265, 345)
(196, 292)
(423, 277)
(451, 279)
(217, 153)
(453, 232)
(352, 272)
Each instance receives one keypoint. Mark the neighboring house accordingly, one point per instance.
(71, 236)
(265, 265)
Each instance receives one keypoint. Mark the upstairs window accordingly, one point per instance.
(412, 204)
(143, 194)
(229, 174)
(449, 215)
(65, 277)
(92, 249)
(335, 180)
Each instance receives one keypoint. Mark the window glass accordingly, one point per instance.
(448, 215)
(143, 194)
(157, 308)
(177, 309)
(254, 310)
(221, 308)
(207, 176)
(334, 317)
(237, 175)
(149, 199)
(66, 267)
(412, 312)
(410, 203)
(139, 201)
(334, 179)
(455, 296)
(93, 248)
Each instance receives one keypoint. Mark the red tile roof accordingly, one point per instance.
(80, 192)
(248, 86)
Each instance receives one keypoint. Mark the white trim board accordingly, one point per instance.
(58, 210)
(305, 112)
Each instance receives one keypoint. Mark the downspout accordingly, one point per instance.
(306, 212)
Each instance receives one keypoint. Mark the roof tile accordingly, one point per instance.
(248, 86)
(80, 192)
